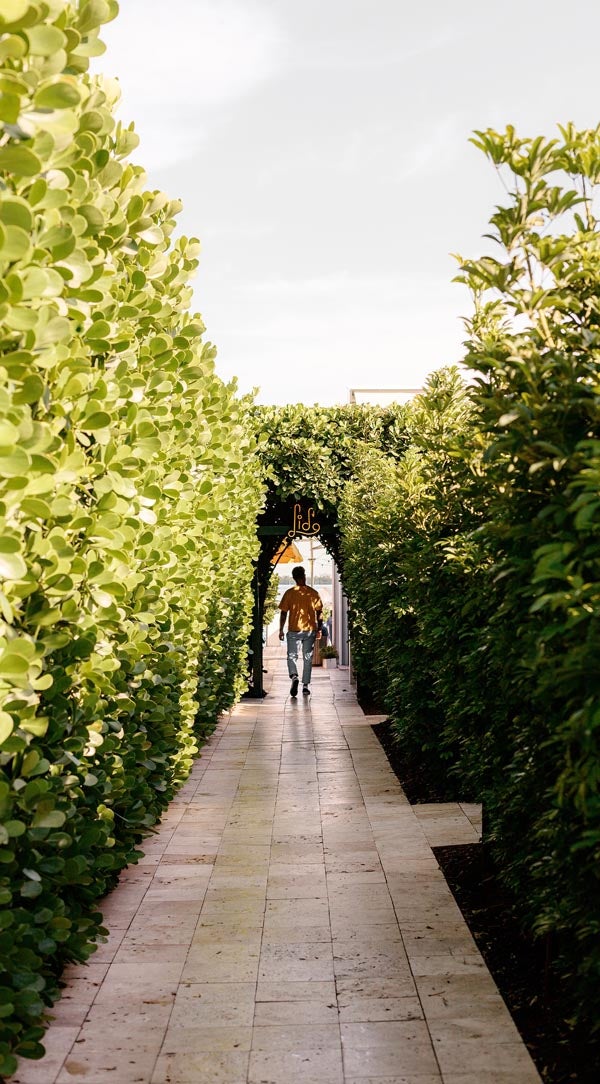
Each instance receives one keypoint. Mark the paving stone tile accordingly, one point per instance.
(340, 881)
(343, 911)
(494, 1025)
(82, 985)
(399, 985)
(299, 886)
(309, 1067)
(447, 964)
(355, 1008)
(428, 942)
(202, 857)
(410, 1078)
(483, 1057)
(269, 990)
(210, 1039)
(294, 834)
(202, 1067)
(126, 1058)
(127, 1015)
(365, 860)
(296, 1053)
(290, 1013)
(143, 936)
(441, 992)
(387, 1048)
(303, 1038)
(125, 991)
(143, 974)
(228, 932)
(356, 931)
(218, 908)
(290, 935)
(252, 884)
(364, 959)
(528, 1075)
(201, 1004)
(245, 853)
(192, 891)
(221, 962)
(184, 872)
(312, 911)
(305, 962)
(135, 954)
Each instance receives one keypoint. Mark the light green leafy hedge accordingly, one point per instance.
(127, 506)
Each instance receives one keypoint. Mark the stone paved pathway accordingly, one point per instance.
(288, 925)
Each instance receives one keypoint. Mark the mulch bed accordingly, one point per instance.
(416, 784)
(517, 963)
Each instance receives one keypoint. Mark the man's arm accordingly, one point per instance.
(319, 615)
(283, 612)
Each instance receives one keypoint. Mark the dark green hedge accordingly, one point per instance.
(482, 547)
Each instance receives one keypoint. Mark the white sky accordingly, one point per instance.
(321, 151)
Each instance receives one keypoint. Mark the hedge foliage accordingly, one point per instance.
(309, 453)
(482, 546)
(406, 596)
(127, 506)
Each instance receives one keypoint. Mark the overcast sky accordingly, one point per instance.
(321, 151)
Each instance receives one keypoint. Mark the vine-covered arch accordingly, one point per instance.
(309, 456)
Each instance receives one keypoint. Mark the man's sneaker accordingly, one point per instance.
(294, 687)
(305, 690)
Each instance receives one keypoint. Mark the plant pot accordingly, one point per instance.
(329, 664)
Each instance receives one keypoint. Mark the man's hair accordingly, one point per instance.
(298, 573)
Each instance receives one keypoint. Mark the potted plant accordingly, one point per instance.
(329, 657)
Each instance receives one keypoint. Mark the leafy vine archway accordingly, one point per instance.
(309, 454)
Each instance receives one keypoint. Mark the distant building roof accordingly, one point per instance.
(382, 396)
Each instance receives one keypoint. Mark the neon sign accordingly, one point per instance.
(304, 524)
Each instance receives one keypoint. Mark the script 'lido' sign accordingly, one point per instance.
(304, 522)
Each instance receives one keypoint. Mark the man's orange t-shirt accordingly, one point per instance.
(303, 605)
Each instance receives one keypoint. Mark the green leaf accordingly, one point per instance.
(61, 93)
(12, 665)
(30, 391)
(37, 726)
(13, 462)
(54, 818)
(93, 14)
(15, 828)
(98, 420)
(8, 1063)
(6, 726)
(12, 11)
(15, 244)
(12, 566)
(30, 890)
(18, 159)
(15, 211)
(45, 40)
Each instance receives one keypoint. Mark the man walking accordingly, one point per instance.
(304, 606)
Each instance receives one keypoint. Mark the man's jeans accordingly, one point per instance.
(305, 641)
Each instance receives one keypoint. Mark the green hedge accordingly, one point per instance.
(127, 506)
(405, 595)
(309, 453)
(483, 552)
